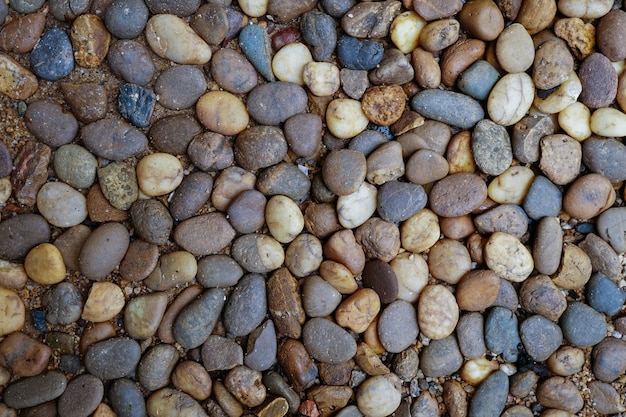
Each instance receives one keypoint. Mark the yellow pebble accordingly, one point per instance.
(44, 264)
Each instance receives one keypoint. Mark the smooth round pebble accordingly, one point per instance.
(130, 60)
(43, 114)
(143, 314)
(35, 390)
(232, 71)
(258, 253)
(193, 192)
(511, 98)
(351, 164)
(180, 87)
(437, 312)
(515, 49)
(126, 19)
(356, 208)
(397, 326)
(540, 336)
(457, 194)
(259, 147)
(112, 358)
(81, 396)
(222, 112)
(441, 357)
(105, 301)
(288, 63)
(575, 120)
(21, 233)
(319, 298)
(170, 37)
(61, 205)
(327, 342)
(610, 227)
(438, 104)
(508, 257)
(126, 398)
(75, 166)
(378, 396)
(171, 401)
(345, 118)
(159, 173)
(266, 103)
(113, 139)
(582, 325)
(322, 78)
(103, 250)
(44, 264)
(588, 196)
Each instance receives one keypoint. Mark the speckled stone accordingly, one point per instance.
(113, 358)
(582, 325)
(52, 58)
(256, 46)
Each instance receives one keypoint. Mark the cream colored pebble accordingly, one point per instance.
(608, 122)
(565, 95)
(5, 189)
(354, 209)
(222, 112)
(511, 98)
(13, 312)
(405, 31)
(437, 312)
(288, 63)
(412, 273)
(284, 218)
(508, 257)
(345, 118)
(511, 186)
(322, 78)
(575, 120)
(420, 231)
(475, 371)
(254, 8)
(159, 173)
(170, 37)
(104, 302)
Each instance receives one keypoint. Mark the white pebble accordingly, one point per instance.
(511, 98)
(508, 257)
(565, 95)
(159, 173)
(405, 31)
(412, 273)
(378, 396)
(575, 120)
(288, 63)
(511, 186)
(322, 78)
(61, 205)
(354, 209)
(254, 8)
(284, 218)
(608, 122)
(170, 37)
(345, 118)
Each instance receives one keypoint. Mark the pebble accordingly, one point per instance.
(501, 333)
(457, 194)
(352, 164)
(541, 337)
(17, 82)
(113, 139)
(126, 19)
(246, 307)
(42, 114)
(319, 298)
(35, 390)
(304, 255)
(175, 94)
(378, 396)
(354, 82)
(431, 10)
(262, 99)
(357, 54)
(130, 60)
(490, 398)
(609, 38)
(507, 218)
(478, 80)
(256, 46)
(289, 62)
(136, 104)
(560, 393)
(588, 196)
(604, 296)
(436, 104)
(103, 250)
(599, 81)
(543, 199)
(560, 98)
(61, 205)
(232, 71)
(511, 186)
(383, 105)
(90, 40)
(507, 108)
(126, 398)
(477, 290)
(6, 163)
(179, 8)
(172, 134)
(540, 295)
(437, 312)
(70, 244)
(514, 49)
(21, 233)
(211, 151)
(218, 271)
(575, 268)
(608, 122)
(605, 398)
(222, 112)
(52, 57)
(105, 301)
(25, 6)
(100, 209)
(359, 310)
(118, 184)
(470, 335)
(193, 379)
(156, 365)
(31, 164)
(522, 383)
(246, 386)
(608, 359)
(603, 257)
(112, 358)
(557, 64)
(385, 164)
(152, 221)
(44, 264)
(195, 322)
(75, 166)
(221, 353)
(398, 326)
(379, 276)
(23, 355)
(170, 37)
(327, 342)
(258, 253)
(610, 228)
(297, 365)
(259, 147)
(575, 120)
(394, 68)
(318, 32)
(602, 156)
(345, 118)
(81, 397)
(193, 234)
(285, 10)
(397, 201)
(491, 147)
(579, 316)
(261, 347)
(12, 275)
(561, 157)
(143, 314)
(587, 10)
(441, 357)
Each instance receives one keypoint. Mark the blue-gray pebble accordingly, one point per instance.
(441, 357)
(501, 334)
(319, 33)
(126, 19)
(262, 347)
(543, 199)
(359, 54)
(367, 141)
(35, 390)
(491, 221)
(605, 156)
(604, 295)
(256, 46)
(337, 8)
(4, 11)
(478, 80)
(21, 233)
(195, 323)
(273, 103)
(541, 337)
(449, 107)
(131, 61)
(26, 6)
(63, 304)
(52, 57)
(247, 306)
(113, 358)
(113, 139)
(327, 342)
(489, 399)
(126, 399)
(180, 87)
(582, 325)
(397, 201)
(136, 104)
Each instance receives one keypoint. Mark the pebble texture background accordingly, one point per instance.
(313, 208)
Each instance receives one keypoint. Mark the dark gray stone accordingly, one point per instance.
(126, 19)
(359, 54)
(491, 147)
(611, 226)
(192, 193)
(136, 104)
(541, 337)
(582, 325)
(21, 233)
(247, 306)
(441, 357)
(501, 334)
(507, 218)
(113, 139)
(130, 61)
(397, 326)
(262, 347)
(471, 336)
(397, 201)
(156, 366)
(126, 399)
(180, 87)
(81, 397)
(274, 103)
(543, 199)
(63, 304)
(327, 342)
(35, 390)
(605, 156)
(152, 221)
(113, 358)
(196, 321)
(319, 33)
(52, 57)
(449, 107)
(604, 295)
(284, 179)
(490, 397)
(220, 353)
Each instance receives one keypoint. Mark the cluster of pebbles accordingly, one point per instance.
(314, 208)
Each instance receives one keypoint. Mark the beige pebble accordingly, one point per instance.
(566, 361)
(61, 204)
(192, 378)
(588, 196)
(5, 189)
(90, 40)
(339, 276)
(16, 81)
(437, 312)
(103, 410)
(405, 31)
(345, 118)
(579, 35)
(379, 395)
(511, 98)
(439, 34)
(143, 314)
(159, 173)
(575, 268)
(459, 153)
(278, 407)
(322, 78)
(608, 122)
(254, 8)
(104, 302)
(44, 264)
(586, 9)
(369, 361)
(174, 270)
(515, 49)
(288, 63)
(12, 275)
(575, 120)
(304, 255)
(412, 274)
(222, 112)
(475, 371)
(420, 231)
(385, 163)
(170, 37)
(562, 97)
(354, 209)
(449, 260)
(171, 402)
(284, 218)
(12, 312)
(511, 186)
(508, 257)
(561, 158)
(359, 310)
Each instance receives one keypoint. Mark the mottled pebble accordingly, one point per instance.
(52, 57)
(42, 114)
(602, 156)
(560, 393)
(90, 39)
(212, 151)
(35, 390)
(143, 314)
(21, 233)
(540, 295)
(603, 257)
(608, 359)
(247, 305)
(211, 22)
(222, 112)
(172, 38)
(604, 296)
(221, 353)
(17, 82)
(75, 166)
(136, 104)
(540, 336)
(491, 147)
(23, 355)
(195, 322)
(130, 60)
(113, 139)
(118, 187)
(457, 194)
(232, 71)
(356, 54)
(31, 164)
(126, 19)
(582, 325)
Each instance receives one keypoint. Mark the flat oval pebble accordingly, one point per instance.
(90, 39)
(608, 39)
(143, 314)
(113, 139)
(478, 80)
(198, 234)
(508, 257)
(222, 112)
(378, 396)
(491, 147)
(514, 49)
(327, 342)
(288, 63)
(113, 358)
(507, 218)
(604, 295)
(610, 227)
(61, 205)
(437, 104)
(319, 298)
(540, 336)
(232, 71)
(457, 194)
(192, 193)
(103, 250)
(345, 118)
(44, 264)
(159, 173)
(126, 19)
(397, 326)
(579, 316)
(247, 306)
(211, 151)
(172, 134)
(284, 179)
(195, 322)
(441, 357)
(259, 147)
(588, 196)
(262, 102)
(105, 301)
(75, 166)
(81, 397)
(15, 313)
(35, 390)
(504, 106)
(609, 359)
(42, 114)
(262, 347)
(437, 312)
(602, 155)
(52, 57)
(156, 365)
(21, 233)
(560, 393)
(17, 82)
(211, 22)
(171, 38)
(130, 60)
(126, 399)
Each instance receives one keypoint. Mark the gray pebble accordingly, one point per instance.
(354, 82)
(582, 325)
(319, 33)
(284, 179)
(113, 139)
(319, 298)
(195, 322)
(471, 336)
(274, 103)
(501, 334)
(126, 19)
(604, 295)
(131, 61)
(603, 257)
(156, 366)
(406, 364)
(181, 8)
(491, 147)
(367, 141)
(103, 250)
(4, 12)
(490, 397)
(81, 397)
(232, 71)
(172, 134)
(66, 11)
(548, 245)
(205, 234)
(397, 326)
(337, 8)
(50, 123)
(211, 22)
(152, 221)
(260, 146)
(192, 193)
(397, 201)
(539, 295)
(441, 357)
(349, 411)
(327, 342)
(21, 233)
(210, 151)
(126, 399)
(180, 87)
(449, 107)
(611, 226)
(113, 358)
(35, 390)
(478, 80)
(75, 166)
(542, 199)
(218, 271)
(541, 337)
(320, 191)
(507, 296)
(394, 68)
(261, 347)
(220, 353)
(608, 359)
(256, 46)
(63, 304)
(303, 133)
(275, 384)
(26, 6)
(605, 398)
(6, 163)
(527, 134)
(247, 306)
(605, 156)
(507, 218)
(522, 383)
(247, 211)
(599, 81)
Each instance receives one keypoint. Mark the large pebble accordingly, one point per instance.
(130, 60)
(118, 191)
(75, 166)
(259, 147)
(515, 49)
(470, 334)
(285, 303)
(232, 71)
(255, 45)
(610, 35)
(191, 378)
(589, 196)
(610, 226)
(526, 136)
(327, 342)
(113, 139)
(289, 62)
(21, 233)
(81, 397)
(20, 35)
(478, 80)
(126, 19)
(204, 234)
(113, 358)
(23, 355)
(397, 201)
(501, 333)
(599, 81)
(437, 312)
(193, 192)
(63, 304)
(608, 121)
(44, 264)
(555, 101)
(61, 205)
(105, 301)
(604, 295)
(156, 365)
(90, 40)
(319, 298)
(441, 357)
(246, 307)
(560, 393)
(195, 322)
(258, 253)
(457, 194)
(507, 218)
(357, 54)
(582, 325)
(159, 173)
(511, 98)
(603, 257)
(397, 326)
(221, 353)
(126, 398)
(477, 290)
(541, 337)
(41, 115)
(508, 257)
(212, 151)
(345, 118)
(543, 199)
(261, 347)
(171, 38)
(52, 57)
(587, 9)
(553, 64)
(379, 276)
(608, 359)
(547, 246)
(438, 104)
(222, 112)
(247, 211)
(575, 120)
(489, 399)
(103, 250)
(352, 165)
(143, 314)
(318, 31)
(218, 271)
(379, 396)
(602, 156)
(575, 268)
(152, 221)
(16, 82)
(35, 390)
(171, 401)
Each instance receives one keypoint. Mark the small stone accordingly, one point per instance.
(156, 365)
(136, 104)
(470, 335)
(35, 390)
(90, 40)
(605, 398)
(543, 199)
(499, 257)
(457, 194)
(501, 333)
(599, 81)
(210, 21)
(285, 304)
(23, 355)
(197, 234)
(603, 257)
(437, 104)
(437, 312)
(356, 54)
(119, 190)
(128, 59)
(44, 264)
(52, 57)
(246, 386)
(378, 396)
(609, 38)
(261, 348)
(507, 218)
(103, 250)
(318, 32)
(588, 196)
(126, 19)
(541, 337)
(21, 34)
(441, 357)
(61, 205)
(478, 80)
(477, 290)
(491, 147)
(608, 359)
(247, 306)
(259, 147)
(540, 295)
(126, 398)
(70, 243)
(17, 82)
(113, 358)
(196, 321)
(180, 87)
(44, 113)
(75, 166)
(193, 379)
(218, 271)
(398, 201)
(21, 233)
(560, 393)
(255, 45)
(104, 302)
(220, 353)
(231, 70)
(397, 326)
(113, 139)
(579, 316)
(143, 314)
(610, 227)
(81, 397)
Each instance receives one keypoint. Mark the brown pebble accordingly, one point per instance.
(540, 295)
(90, 40)
(536, 15)
(588, 196)
(285, 304)
(477, 290)
(561, 157)
(611, 35)
(329, 398)
(95, 332)
(165, 331)
(31, 171)
(460, 56)
(379, 276)
(343, 248)
(482, 19)
(458, 194)
(297, 365)
(20, 35)
(99, 208)
(384, 105)
(359, 310)
(140, 260)
(23, 355)
(344, 171)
